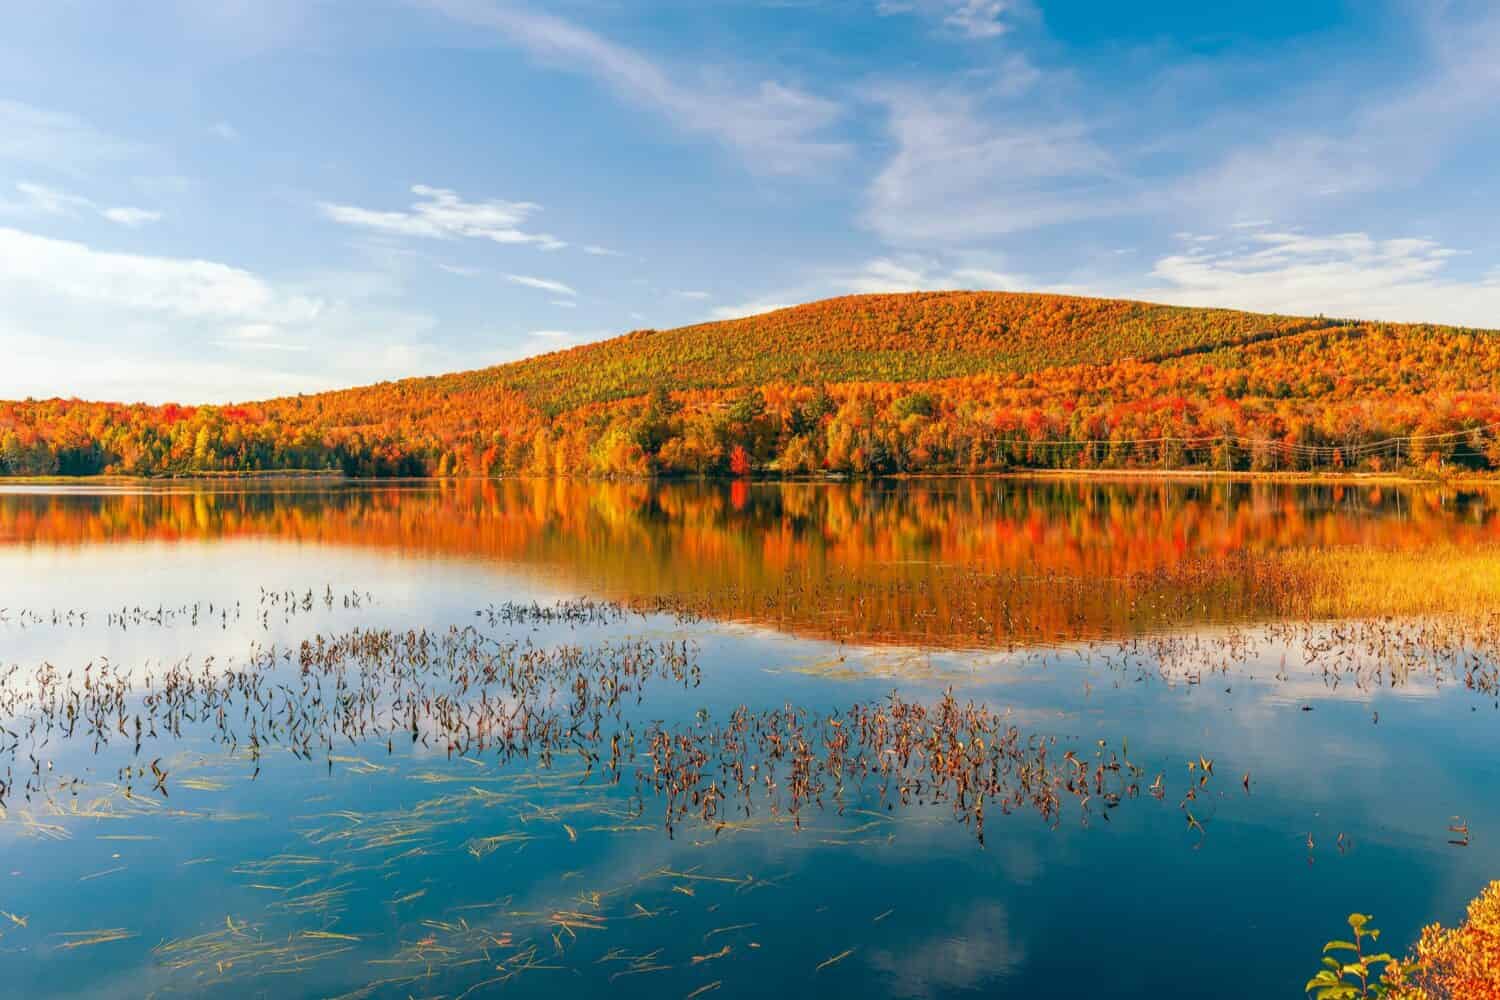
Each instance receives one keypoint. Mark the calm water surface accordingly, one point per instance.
(1115, 623)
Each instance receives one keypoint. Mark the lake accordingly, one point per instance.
(893, 739)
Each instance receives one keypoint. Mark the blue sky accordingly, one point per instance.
(216, 201)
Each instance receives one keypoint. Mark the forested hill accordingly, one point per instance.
(863, 338)
(873, 384)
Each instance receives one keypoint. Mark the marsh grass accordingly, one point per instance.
(519, 748)
(1360, 582)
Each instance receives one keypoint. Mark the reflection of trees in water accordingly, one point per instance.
(973, 560)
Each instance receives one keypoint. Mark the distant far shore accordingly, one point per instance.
(1193, 475)
(325, 476)
(257, 475)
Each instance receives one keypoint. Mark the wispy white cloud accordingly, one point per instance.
(962, 170)
(1343, 274)
(915, 274)
(970, 162)
(972, 19)
(776, 126)
(56, 140)
(883, 275)
(754, 307)
(1280, 174)
(261, 345)
(597, 251)
(439, 213)
(131, 217)
(544, 284)
(690, 294)
(1384, 138)
(535, 342)
(224, 130)
(39, 199)
(186, 288)
(43, 366)
(188, 329)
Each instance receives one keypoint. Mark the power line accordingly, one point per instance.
(1348, 451)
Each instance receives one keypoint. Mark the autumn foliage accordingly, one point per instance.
(862, 385)
(1462, 962)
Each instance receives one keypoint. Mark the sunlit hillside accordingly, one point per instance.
(896, 338)
(874, 384)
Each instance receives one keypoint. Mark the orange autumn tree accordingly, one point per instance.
(1461, 962)
(861, 385)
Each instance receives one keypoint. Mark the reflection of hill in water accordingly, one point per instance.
(945, 562)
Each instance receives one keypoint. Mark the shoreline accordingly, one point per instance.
(258, 476)
(1215, 475)
(324, 477)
